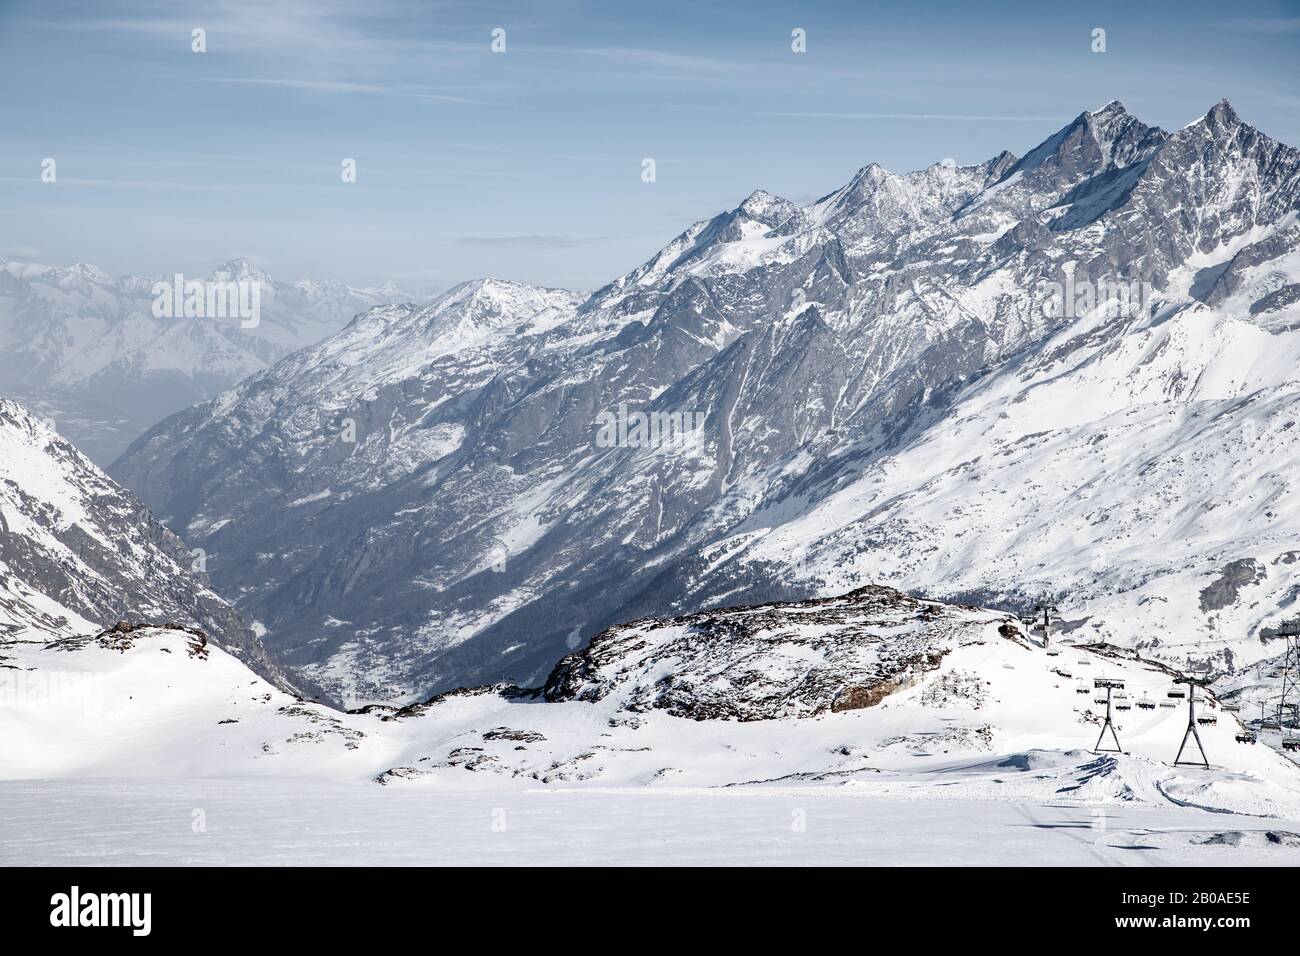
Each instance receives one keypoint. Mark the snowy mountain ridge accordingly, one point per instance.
(420, 502)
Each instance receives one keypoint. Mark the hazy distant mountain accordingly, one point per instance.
(899, 382)
(87, 352)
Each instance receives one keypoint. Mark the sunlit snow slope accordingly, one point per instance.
(875, 692)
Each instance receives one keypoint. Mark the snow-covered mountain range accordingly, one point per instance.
(87, 351)
(1070, 373)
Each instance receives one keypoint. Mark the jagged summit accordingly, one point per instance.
(78, 272)
(1221, 114)
(767, 208)
(758, 201)
(1112, 108)
(240, 268)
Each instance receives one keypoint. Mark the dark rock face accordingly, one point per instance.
(1235, 576)
(473, 527)
(768, 661)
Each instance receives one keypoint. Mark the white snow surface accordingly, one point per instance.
(982, 760)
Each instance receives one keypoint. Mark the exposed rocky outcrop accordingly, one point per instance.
(776, 660)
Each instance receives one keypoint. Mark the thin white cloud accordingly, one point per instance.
(339, 86)
(661, 59)
(1266, 24)
(286, 29)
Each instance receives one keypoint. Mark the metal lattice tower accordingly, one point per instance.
(1110, 686)
(1290, 699)
(1192, 683)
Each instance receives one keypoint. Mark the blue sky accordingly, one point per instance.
(527, 164)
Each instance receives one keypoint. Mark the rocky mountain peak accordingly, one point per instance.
(771, 210)
(1222, 115)
(241, 269)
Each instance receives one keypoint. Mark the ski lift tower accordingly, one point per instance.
(1290, 629)
(1043, 614)
(1110, 687)
(1192, 683)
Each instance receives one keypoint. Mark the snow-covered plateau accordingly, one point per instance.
(873, 728)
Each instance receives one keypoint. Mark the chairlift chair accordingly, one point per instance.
(1246, 737)
(1177, 693)
(1146, 703)
(1208, 720)
(1291, 743)
(1232, 708)
(1168, 704)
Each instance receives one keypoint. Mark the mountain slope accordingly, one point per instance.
(77, 552)
(888, 389)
